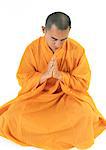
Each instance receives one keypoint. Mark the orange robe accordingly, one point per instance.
(56, 114)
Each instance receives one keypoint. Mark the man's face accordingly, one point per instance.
(55, 37)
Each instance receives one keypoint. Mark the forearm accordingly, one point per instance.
(74, 82)
(59, 77)
(43, 78)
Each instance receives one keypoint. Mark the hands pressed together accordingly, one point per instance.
(52, 71)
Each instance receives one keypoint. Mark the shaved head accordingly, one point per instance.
(59, 19)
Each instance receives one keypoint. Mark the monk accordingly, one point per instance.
(53, 109)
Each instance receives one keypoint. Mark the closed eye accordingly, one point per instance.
(57, 39)
(54, 39)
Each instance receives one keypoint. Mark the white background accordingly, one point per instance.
(20, 23)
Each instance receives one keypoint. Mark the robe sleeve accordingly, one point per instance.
(27, 75)
(79, 78)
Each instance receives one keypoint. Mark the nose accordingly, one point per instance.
(58, 44)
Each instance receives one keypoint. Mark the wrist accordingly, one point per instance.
(59, 75)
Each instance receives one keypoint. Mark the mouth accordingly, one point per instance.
(54, 49)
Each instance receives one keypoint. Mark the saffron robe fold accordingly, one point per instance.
(57, 114)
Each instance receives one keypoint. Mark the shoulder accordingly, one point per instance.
(75, 47)
(75, 44)
(33, 46)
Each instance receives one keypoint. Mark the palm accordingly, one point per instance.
(53, 68)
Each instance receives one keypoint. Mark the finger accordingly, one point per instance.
(53, 58)
(50, 63)
(55, 63)
(51, 69)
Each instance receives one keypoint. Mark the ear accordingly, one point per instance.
(43, 29)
